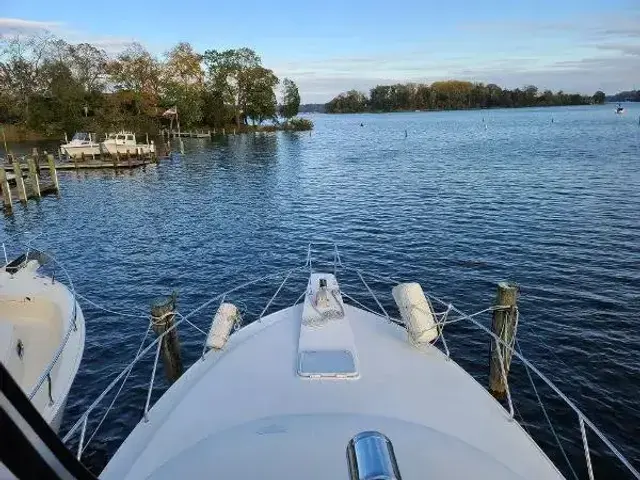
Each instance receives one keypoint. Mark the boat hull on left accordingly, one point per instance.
(42, 337)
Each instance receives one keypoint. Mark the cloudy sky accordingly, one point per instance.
(331, 46)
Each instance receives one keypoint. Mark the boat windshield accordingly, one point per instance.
(81, 136)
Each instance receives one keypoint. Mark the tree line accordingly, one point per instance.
(626, 96)
(51, 86)
(451, 95)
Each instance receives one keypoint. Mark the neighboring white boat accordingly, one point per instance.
(42, 335)
(326, 388)
(81, 143)
(123, 142)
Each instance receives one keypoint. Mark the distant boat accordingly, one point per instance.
(123, 142)
(619, 109)
(81, 143)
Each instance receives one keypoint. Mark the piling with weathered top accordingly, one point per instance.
(163, 317)
(504, 325)
(33, 178)
(52, 171)
(36, 156)
(17, 172)
(6, 193)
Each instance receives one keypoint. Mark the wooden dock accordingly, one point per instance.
(36, 175)
(29, 180)
(196, 134)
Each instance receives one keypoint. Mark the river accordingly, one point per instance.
(546, 197)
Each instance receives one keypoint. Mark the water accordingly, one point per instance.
(466, 200)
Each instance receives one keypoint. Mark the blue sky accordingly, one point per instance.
(331, 46)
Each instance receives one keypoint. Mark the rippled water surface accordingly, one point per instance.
(465, 200)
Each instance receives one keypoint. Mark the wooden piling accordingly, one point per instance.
(52, 171)
(128, 158)
(36, 156)
(223, 132)
(33, 178)
(163, 317)
(6, 193)
(17, 171)
(504, 325)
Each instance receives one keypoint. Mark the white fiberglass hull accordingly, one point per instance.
(141, 148)
(42, 338)
(78, 150)
(294, 387)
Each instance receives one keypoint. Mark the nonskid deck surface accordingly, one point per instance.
(250, 399)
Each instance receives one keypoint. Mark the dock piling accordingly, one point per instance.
(504, 326)
(163, 316)
(6, 193)
(33, 178)
(36, 156)
(52, 171)
(17, 172)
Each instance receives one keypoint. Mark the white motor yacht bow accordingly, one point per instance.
(328, 387)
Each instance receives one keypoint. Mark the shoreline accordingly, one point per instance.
(20, 134)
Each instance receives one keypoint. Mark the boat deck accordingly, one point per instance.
(246, 412)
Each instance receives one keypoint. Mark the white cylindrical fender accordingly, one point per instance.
(223, 321)
(416, 312)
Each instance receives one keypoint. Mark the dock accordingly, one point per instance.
(36, 175)
(196, 134)
(28, 180)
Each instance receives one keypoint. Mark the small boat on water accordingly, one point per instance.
(619, 109)
(81, 143)
(327, 387)
(42, 334)
(123, 142)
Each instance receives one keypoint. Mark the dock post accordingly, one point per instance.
(36, 156)
(127, 156)
(6, 193)
(163, 316)
(223, 132)
(504, 326)
(17, 172)
(33, 178)
(52, 171)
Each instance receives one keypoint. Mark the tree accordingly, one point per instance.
(88, 66)
(259, 101)
(183, 83)
(290, 99)
(227, 74)
(351, 102)
(599, 97)
(137, 71)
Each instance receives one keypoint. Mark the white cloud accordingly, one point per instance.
(19, 25)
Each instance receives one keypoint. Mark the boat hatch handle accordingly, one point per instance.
(370, 457)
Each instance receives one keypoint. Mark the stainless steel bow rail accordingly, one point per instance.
(447, 315)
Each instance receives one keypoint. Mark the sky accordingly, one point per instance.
(330, 46)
